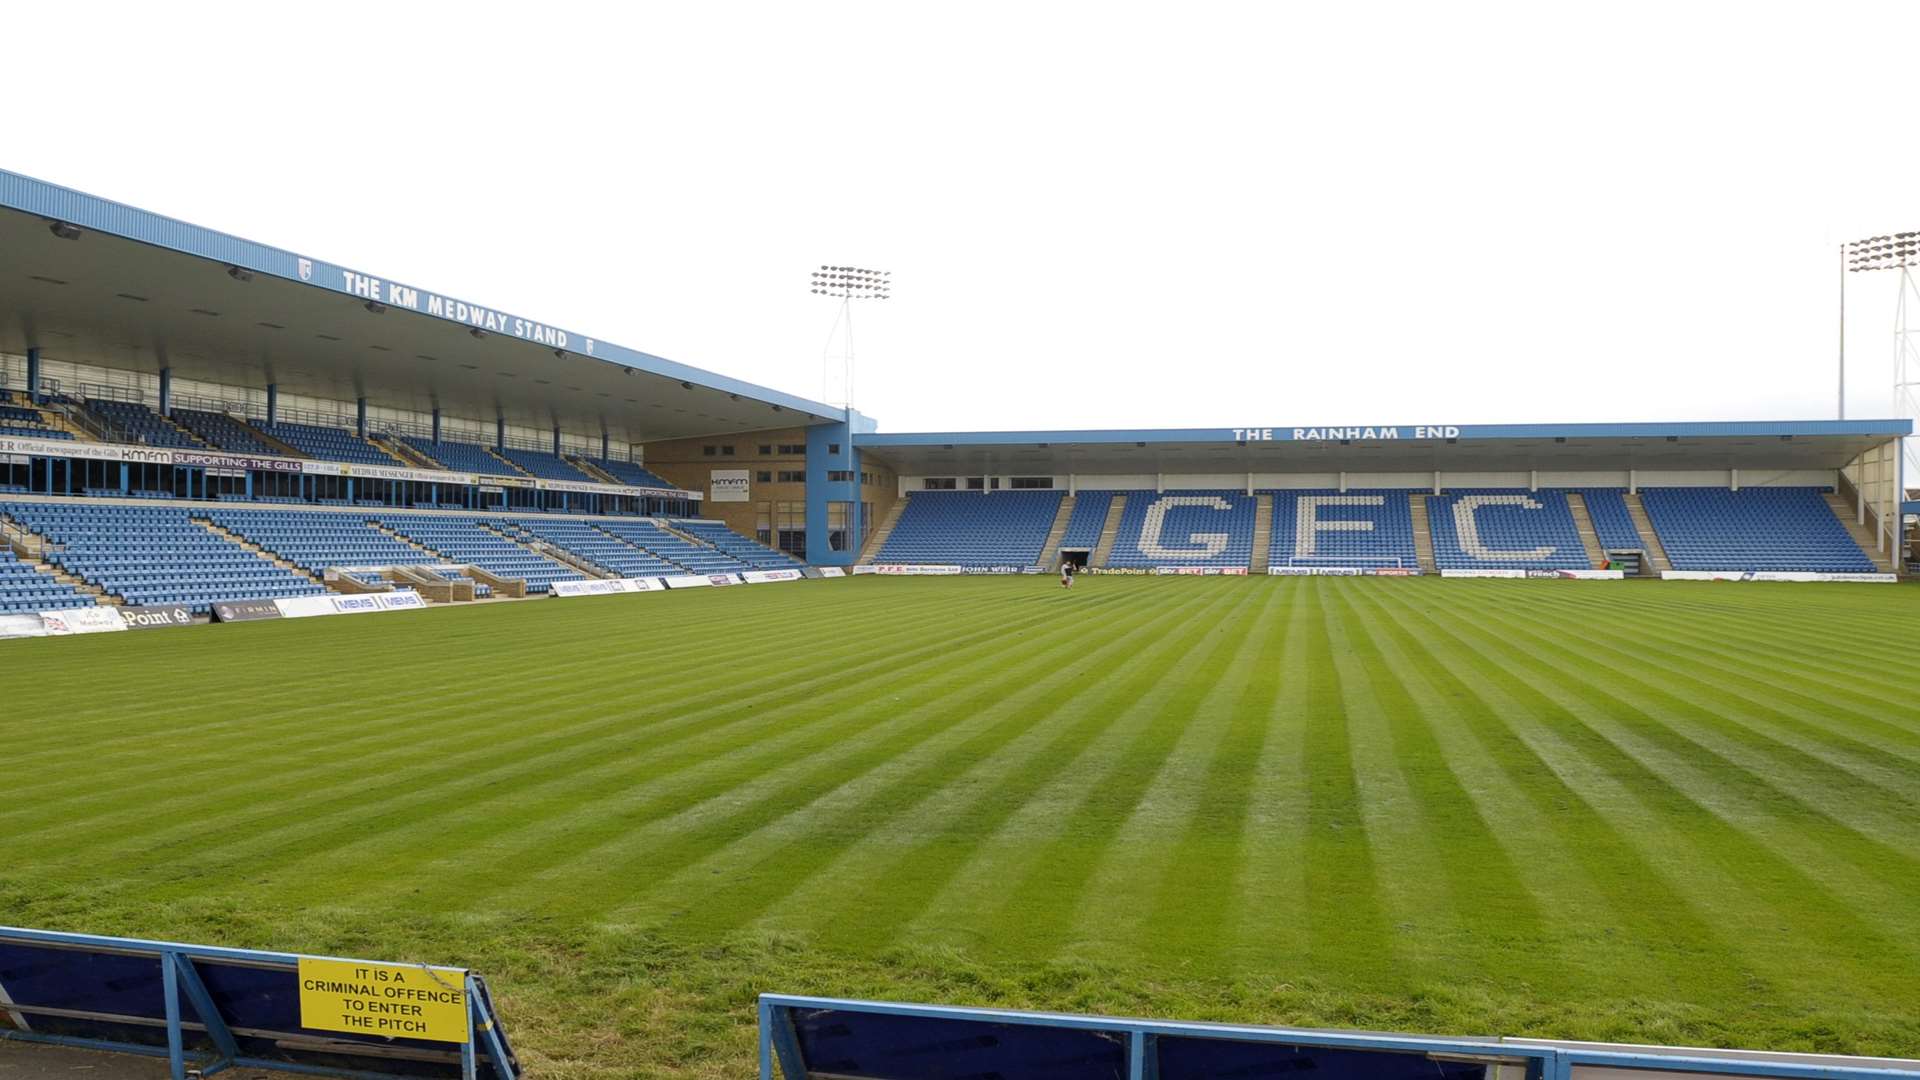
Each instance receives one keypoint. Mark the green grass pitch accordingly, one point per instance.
(1674, 813)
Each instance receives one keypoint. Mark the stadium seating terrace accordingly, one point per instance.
(327, 443)
(222, 431)
(544, 465)
(974, 528)
(459, 456)
(628, 473)
(1752, 529)
(153, 555)
(1089, 518)
(141, 423)
(1488, 529)
(1185, 528)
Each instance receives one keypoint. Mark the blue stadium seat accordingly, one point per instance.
(223, 432)
(24, 589)
(154, 555)
(316, 541)
(469, 539)
(630, 474)
(1612, 521)
(598, 546)
(544, 465)
(1089, 517)
(1185, 528)
(142, 424)
(972, 528)
(691, 558)
(1501, 528)
(1766, 528)
(328, 443)
(750, 552)
(1324, 527)
(462, 457)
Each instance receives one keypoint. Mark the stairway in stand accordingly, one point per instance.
(1583, 524)
(1110, 530)
(1262, 534)
(1050, 550)
(1422, 537)
(1649, 536)
(1863, 535)
(879, 538)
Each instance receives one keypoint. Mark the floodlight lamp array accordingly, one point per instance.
(1888, 252)
(852, 283)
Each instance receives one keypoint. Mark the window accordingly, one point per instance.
(866, 521)
(764, 476)
(837, 530)
(790, 528)
(766, 449)
(840, 476)
(976, 483)
(939, 483)
(793, 476)
(833, 448)
(710, 451)
(794, 449)
(726, 451)
(1029, 483)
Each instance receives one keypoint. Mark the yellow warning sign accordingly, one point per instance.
(410, 1001)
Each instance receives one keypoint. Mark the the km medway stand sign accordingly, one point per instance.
(218, 1008)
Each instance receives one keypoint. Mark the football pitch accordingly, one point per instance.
(1674, 813)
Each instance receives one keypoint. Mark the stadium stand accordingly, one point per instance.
(21, 417)
(596, 546)
(1752, 529)
(222, 432)
(1185, 528)
(468, 539)
(628, 473)
(141, 423)
(974, 528)
(1612, 522)
(753, 554)
(328, 443)
(1089, 516)
(315, 541)
(22, 588)
(153, 555)
(33, 432)
(543, 465)
(1330, 528)
(1491, 528)
(693, 558)
(463, 457)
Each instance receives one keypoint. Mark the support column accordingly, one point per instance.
(166, 391)
(436, 423)
(273, 404)
(360, 417)
(556, 440)
(604, 456)
(1533, 480)
(499, 433)
(1733, 479)
(33, 375)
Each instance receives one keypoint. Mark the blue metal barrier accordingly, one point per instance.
(808, 1037)
(135, 996)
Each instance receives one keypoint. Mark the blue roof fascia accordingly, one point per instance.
(1404, 432)
(96, 214)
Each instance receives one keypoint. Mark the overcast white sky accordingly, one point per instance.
(1097, 214)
